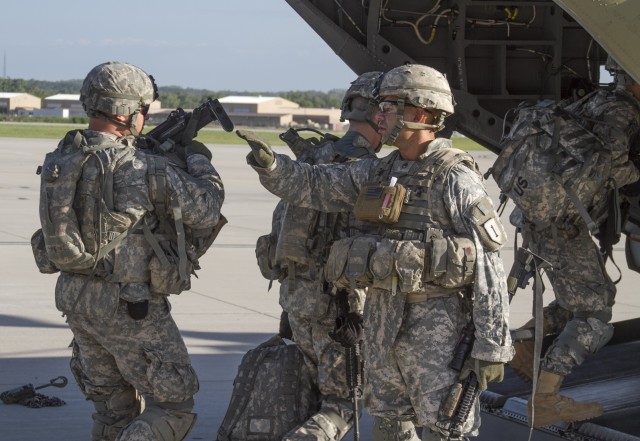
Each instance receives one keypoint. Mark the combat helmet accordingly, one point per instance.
(420, 86)
(620, 76)
(115, 88)
(359, 100)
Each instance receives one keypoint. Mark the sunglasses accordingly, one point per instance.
(387, 106)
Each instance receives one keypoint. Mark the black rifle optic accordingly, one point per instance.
(182, 127)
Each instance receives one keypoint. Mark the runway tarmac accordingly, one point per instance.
(227, 312)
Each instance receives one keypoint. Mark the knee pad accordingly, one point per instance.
(586, 336)
(387, 429)
(113, 413)
(167, 421)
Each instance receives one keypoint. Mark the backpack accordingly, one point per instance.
(81, 231)
(65, 242)
(273, 392)
(553, 167)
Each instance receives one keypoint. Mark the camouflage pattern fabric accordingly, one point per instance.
(113, 351)
(308, 302)
(581, 285)
(578, 276)
(335, 188)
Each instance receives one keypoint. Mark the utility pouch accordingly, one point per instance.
(38, 247)
(265, 255)
(453, 262)
(165, 271)
(85, 295)
(380, 204)
(348, 262)
(337, 261)
(357, 270)
(409, 264)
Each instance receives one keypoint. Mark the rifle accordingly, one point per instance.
(524, 266)
(182, 127)
(352, 355)
(459, 403)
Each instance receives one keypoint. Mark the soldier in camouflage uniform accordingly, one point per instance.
(429, 269)
(126, 344)
(303, 238)
(584, 293)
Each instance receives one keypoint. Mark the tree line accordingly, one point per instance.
(176, 96)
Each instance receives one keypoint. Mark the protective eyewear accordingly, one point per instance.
(387, 106)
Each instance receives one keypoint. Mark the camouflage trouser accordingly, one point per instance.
(117, 353)
(411, 381)
(581, 285)
(324, 355)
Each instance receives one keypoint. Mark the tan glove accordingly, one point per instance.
(261, 151)
(486, 371)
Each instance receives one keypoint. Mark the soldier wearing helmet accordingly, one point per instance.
(581, 312)
(307, 299)
(428, 256)
(126, 344)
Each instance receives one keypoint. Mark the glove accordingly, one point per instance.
(261, 151)
(486, 371)
(199, 148)
(348, 330)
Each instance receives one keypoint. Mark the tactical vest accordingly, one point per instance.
(306, 234)
(421, 250)
(423, 210)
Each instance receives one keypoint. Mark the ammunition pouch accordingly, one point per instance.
(167, 277)
(365, 261)
(266, 257)
(380, 204)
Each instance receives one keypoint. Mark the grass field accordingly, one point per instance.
(207, 136)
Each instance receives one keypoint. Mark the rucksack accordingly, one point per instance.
(81, 231)
(553, 167)
(273, 392)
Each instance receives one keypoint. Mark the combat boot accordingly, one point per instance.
(552, 408)
(522, 361)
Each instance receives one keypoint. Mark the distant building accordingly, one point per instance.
(71, 102)
(271, 111)
(18, 103)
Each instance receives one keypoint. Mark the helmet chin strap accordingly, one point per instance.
(401, 123)
(130, 125)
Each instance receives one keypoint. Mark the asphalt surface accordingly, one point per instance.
(227, 312)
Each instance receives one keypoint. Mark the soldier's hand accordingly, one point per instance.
(348, 330)
(196, 147)
(261, 151)
(486, 371)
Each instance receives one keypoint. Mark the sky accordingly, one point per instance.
(240, 45)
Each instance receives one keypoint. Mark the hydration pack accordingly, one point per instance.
(554, 167)
(273, 392)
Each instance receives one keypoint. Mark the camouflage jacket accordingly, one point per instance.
(335, 188)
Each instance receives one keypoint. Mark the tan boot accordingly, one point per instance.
(552, 408)
(522, 362)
